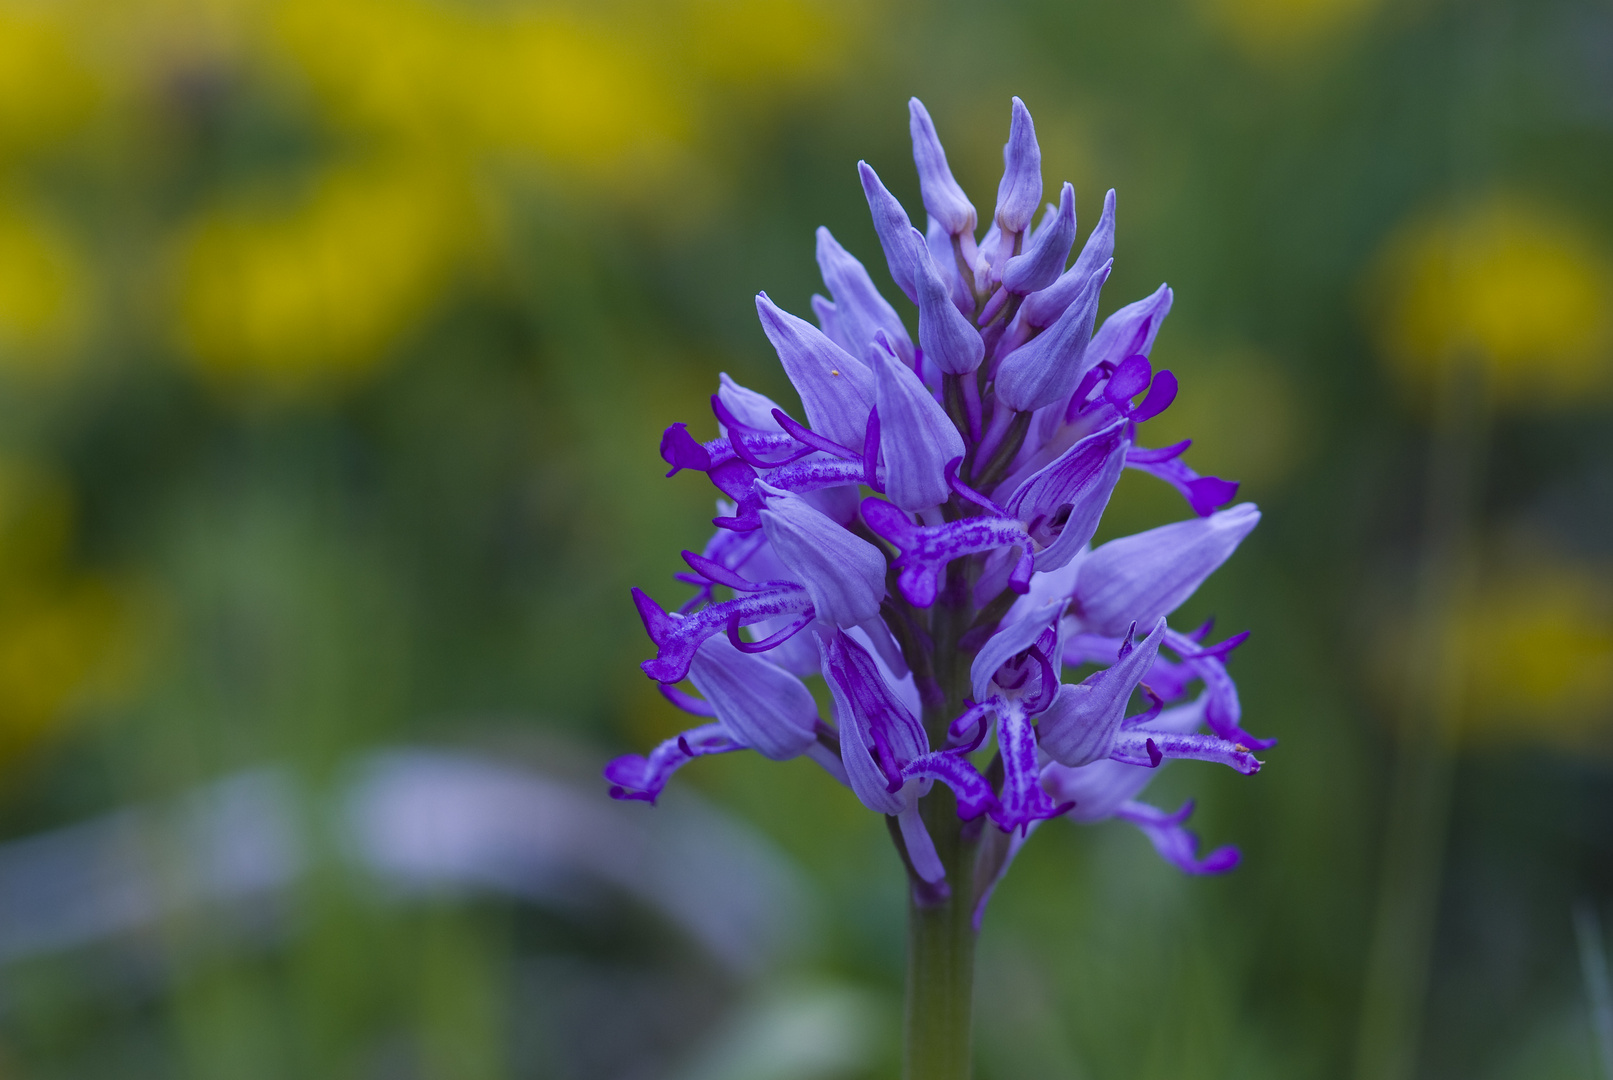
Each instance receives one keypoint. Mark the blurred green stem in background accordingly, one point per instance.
(1417, 816)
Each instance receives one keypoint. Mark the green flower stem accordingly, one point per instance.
(941, 955)
(940, 935)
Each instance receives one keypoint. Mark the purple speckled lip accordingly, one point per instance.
(917, 534)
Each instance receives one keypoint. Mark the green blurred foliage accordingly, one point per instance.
(336, 341)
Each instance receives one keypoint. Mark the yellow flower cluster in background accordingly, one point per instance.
(1535, 646)
(65, 635)
(1520, 292)
(1282, 31)
(422, 108)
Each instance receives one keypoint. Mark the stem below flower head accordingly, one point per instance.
(940, 955)
(940, 932)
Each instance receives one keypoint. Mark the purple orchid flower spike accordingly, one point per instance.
(927, 516)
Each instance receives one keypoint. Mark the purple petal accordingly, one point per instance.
(1142, 746)
(1022, 799)
(678, 638)
(836, 388)
(746, 405)
(1060, 505)
(1143, 577)
(1099, 789)
(1039, 266)
(1084, 719)
(1131, 330)
(916, 435)
(860, 312)
(920, 847)
(926, 551)
(1132, 375)
(943, 198)
(1047, 368)
(762, 705)
(1042, 308)
(632, 776)
(892, 225)
(1019, 192)
(1203, 493)
(843, 573)
(1175, 844)
(1160, 396)
(878, 733)
(974, 794)
(947, 337)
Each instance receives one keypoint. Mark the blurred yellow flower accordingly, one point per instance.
(1513, 288)
(42, 290)
(312, 295)
(46, 86)
(64, 634)
(1283, 30)
(1536, 652)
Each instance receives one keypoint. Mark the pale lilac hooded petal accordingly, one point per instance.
(916, 436)
(1020, 191)
(764, 706)
(1099, 790)
(892, 225)
(1043, 259)
(1061, 504)
(1131, 330)
(879, 735)
(945, 261)
(1082, 722)
(836, 388)
(843, 573)
(1138, 579)
(860, 312)
(823, 310)
(1048, 367)
(747, 406)
(1042, 308)
(1025, 623)
(946, 335)
(943, 198)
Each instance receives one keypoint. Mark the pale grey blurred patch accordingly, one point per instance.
(415, 820)
(795, 1031)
